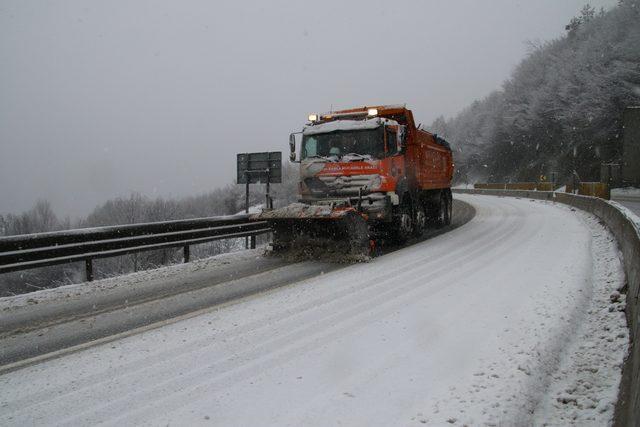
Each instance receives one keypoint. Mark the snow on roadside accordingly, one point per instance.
(464, 186)
(568, 369)
(254, 209)
(584, 390)
(473, 327)
(625, 192)
(629, 214)
(79, 289)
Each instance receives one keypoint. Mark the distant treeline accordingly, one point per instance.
(561, 108)
(135, 208)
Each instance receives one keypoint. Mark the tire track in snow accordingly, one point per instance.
(332, 314)
(477, 250)
(141, 367)
(291, 345)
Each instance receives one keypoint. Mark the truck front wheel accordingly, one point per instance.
(403, 227)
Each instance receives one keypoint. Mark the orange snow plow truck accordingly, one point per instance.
(365, 174)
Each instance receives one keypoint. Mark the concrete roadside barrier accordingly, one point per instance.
(528, 186)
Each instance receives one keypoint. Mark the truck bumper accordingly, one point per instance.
(377, 206)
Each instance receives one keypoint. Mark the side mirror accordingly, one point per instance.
(402, 138)
(292, 147)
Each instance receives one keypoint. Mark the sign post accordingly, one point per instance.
(257, 168)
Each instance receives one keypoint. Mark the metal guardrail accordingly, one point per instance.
(28, 251)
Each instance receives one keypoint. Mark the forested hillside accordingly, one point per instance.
(560, 110)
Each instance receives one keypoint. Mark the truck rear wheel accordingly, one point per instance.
(444, 210)
(419, 222)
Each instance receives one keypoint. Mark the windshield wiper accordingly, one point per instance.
(360, 156)
(316, 156)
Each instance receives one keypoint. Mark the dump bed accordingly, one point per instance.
(429, 161)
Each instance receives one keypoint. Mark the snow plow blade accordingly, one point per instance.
(303, 231)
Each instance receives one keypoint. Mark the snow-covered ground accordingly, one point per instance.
(631, 206)
(629, 197)
(585, 387)
(511, 319)
(625, 192)
(253, 209)
(464, 186)
(632, 215)
(8, 305)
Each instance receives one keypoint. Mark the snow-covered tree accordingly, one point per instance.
(560, 109)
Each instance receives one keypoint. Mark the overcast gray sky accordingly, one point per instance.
(99, 99)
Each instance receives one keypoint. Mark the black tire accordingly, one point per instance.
(403, 228)
(443, 219)
(419, 221)
(449, 207)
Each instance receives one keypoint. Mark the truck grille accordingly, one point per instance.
(347, 185)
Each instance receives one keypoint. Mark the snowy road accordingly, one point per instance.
(467, 327)
(42, 324)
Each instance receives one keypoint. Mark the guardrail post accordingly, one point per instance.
(246, 206)
(267, 195)
(88, 265)
(253, 242)
(186, 253)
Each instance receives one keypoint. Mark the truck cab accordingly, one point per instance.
(353, 161)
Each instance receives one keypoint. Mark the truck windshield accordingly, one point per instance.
(368, 143)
